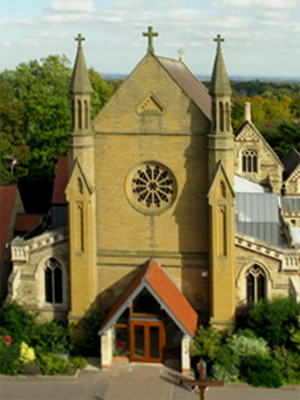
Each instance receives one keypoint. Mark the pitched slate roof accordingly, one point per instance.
(188, 82)
(7, 201)
(26, 222)
(243, 185)
(159, 284)
(60, 181)
(257, 215)
(290, 162)
(290, 204)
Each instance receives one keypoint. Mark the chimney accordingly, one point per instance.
(247, 112)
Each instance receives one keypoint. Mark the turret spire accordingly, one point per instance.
(80, 83)
(220, 85)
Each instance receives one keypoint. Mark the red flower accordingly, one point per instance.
(8, 339)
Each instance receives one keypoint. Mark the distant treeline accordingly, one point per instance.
(269, 90)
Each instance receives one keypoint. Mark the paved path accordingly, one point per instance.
(130, 382)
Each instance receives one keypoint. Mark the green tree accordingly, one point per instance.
(283, 136)
(102, 91)
(295, 106)
(42, 87)
(12, 142)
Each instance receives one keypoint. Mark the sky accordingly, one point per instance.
(262, 37)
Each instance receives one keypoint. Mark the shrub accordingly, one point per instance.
(242, 346)
(51, 337)
(10, 363)
(221, 373)
(225, 367)
(289, 364)
(273, 320)
(90, 324)
(236, 347)
(16, 321)
(295, 334)
(78, 362)
(259, 370)
(207, 343)
(51, 364)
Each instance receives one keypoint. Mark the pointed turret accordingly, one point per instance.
(81, 194)
(220, 139)
(221, 197)
(80, 83)
(220, 85)
(81, 143)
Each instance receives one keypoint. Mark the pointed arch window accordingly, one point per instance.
(221, 116)
(249, 161)
(222, 231)
(80, 227)
(79, 111)
(227, 109)
(53, 282)
(214, 114)
(86, 114)
(256, 284)
(79, 186)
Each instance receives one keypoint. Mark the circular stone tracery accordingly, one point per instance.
(152, 187)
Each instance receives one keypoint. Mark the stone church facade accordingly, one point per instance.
(162, 215)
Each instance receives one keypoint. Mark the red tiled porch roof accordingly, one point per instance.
(172, 300)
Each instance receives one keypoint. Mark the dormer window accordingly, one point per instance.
(249, 161)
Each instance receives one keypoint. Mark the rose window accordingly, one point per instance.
(152, 187)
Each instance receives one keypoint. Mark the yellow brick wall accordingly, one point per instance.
(176, 138)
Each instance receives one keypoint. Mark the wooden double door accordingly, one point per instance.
(146, 341)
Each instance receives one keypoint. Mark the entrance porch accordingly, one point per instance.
(151, 322)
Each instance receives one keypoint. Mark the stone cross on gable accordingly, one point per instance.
(150, 34)
(218, 39)
(202, 382)
(79, 39)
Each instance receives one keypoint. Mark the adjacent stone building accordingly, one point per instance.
(161, 215)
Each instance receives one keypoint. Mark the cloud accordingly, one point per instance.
(255, 5)
(74, 6)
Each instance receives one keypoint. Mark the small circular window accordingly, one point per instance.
(151, 187)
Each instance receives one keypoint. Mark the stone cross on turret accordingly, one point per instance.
(79, 39)
(218, 39)
(150, 34)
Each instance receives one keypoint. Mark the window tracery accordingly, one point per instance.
(53, 282)
(152, 187)
(249, 161)
(256, 284)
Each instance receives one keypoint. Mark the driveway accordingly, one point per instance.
(130, 382)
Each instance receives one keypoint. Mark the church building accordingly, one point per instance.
(161, 214)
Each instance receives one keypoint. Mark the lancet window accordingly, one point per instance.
(53, 282)
(249, 161)
(256, 284)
